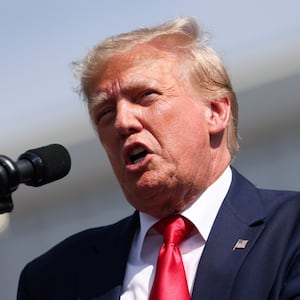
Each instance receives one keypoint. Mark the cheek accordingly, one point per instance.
(111, 148)
(107, 139)
(115, 164)
(189, 137)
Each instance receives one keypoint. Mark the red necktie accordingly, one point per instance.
(170, 281)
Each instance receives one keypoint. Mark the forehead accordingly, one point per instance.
(137, 62)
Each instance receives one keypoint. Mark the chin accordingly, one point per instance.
(162, 212)
(158, 207)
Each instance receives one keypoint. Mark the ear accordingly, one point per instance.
(219, 115)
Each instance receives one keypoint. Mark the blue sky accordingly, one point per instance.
(39, 40)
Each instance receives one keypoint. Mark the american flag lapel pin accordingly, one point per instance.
(240, 244)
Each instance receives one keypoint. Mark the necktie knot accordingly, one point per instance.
(170, 281)
(174, 228)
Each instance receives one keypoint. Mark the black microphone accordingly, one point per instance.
(35, 167)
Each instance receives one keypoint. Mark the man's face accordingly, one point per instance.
(154, 129)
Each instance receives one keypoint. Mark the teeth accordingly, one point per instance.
(137, 160)
(137, 150)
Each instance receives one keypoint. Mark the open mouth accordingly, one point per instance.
(137, 155)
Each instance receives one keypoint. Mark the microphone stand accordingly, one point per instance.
(7, 186)
(6, 204)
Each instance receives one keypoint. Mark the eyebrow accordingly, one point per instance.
(97, 99)
(100, 97)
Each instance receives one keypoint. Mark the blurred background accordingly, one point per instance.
(259, 41)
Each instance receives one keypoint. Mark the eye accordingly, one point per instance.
(103, 114)
(147, 97)
(148, 93)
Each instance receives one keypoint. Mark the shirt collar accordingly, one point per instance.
(201, 212)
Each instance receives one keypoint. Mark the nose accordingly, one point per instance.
(127, 119)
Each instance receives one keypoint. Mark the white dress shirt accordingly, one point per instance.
(146, 244)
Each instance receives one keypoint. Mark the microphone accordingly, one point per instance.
(35, 167)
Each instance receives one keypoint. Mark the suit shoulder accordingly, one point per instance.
(80, 245)
(92, 234)
(253, 204)
(273, 200)
(84, 257)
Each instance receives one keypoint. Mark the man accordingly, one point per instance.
(166, 114)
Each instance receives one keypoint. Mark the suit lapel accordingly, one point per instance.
(108, 261)
(240, 218)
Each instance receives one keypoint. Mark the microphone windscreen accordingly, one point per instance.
(50, 163)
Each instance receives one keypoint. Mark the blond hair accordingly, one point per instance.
(184, 38)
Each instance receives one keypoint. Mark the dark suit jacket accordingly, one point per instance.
(91, 265)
